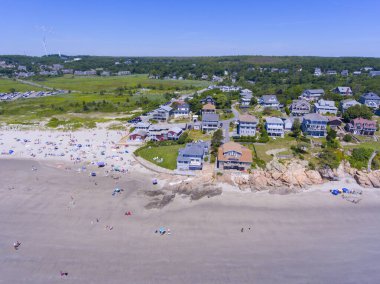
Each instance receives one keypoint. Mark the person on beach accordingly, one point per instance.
(16, 245)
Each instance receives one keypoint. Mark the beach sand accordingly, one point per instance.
(308, 237)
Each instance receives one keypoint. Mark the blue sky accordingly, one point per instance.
(192, 27)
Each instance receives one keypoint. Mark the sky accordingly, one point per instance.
(191, 28)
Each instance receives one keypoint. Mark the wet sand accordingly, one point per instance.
(310, 237)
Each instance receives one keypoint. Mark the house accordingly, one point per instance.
(325, 107)
(312, 94)
(275, 127)
(174, 133)
(374, 73)
(138, 135)
(331, 72)
(191, 157)
(123, 73)
(247, 125)
(208, 108)
(246, 92)
(317, 72)
(182, 110)
(334, 122)
(245, 100)
(356, 73)
(142, 126)
(371, 100)
(208, 100)
(361, 126)
(344, 73)
(300, 107)
(343, 91)
(269, 101)
(345, 104)
(283, 70)
(162, 113)
(210, 122)
(314, 124)
(105, 73)
(233, 156)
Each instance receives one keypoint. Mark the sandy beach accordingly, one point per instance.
(69, 222)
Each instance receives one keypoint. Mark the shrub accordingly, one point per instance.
(360, 157)
(347, 138)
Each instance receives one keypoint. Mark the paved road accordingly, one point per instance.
(226, 125)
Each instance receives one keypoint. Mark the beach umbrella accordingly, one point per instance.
(345, 190)
(101, 164)
(93, 174)
(11, 152)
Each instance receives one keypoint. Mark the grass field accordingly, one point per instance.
(198, 135)
(7, 84)
(167, 153)
(279, 143)
(108, 84)
(29, 109)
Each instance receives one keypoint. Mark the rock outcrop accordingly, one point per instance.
(291, 176)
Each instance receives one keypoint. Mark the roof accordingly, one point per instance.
(208, 106)
(274, 120)
(142, 124)
(166, 108)
(333, 118)
(269, 98)
(210, 117)
(139, 132)
(315, 116)
(371, 96)
(192, 149)
(315, 91)
(175, 129)
(297, 103)
(363, 120)
(248, 118)
(325, 103)
(246, 154)
(349, 101)
(344, 89)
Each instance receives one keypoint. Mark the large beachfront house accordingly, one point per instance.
(247, 125)
(233, 156)
(346, 104)
(181, 110)
(210, 122)
(208, 108)
(371, 100)
(343, 91)
(269, 101)
(162, 113)
(314, 124)
(325, 107)
(300, 107)
(245, 98)
(275, 127)
(162, 132)
(191, 157)
(312, 94)
(361, 126)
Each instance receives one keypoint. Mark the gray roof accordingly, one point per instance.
(275, 120)
(143, 124)
(298, 103)
(210, 117)
(315, 91)
(268, 98)
(371, 96)
(315, 116)
(166, 108)
(192, 149)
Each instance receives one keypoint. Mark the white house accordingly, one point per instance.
(275, 127)
(247, 125)
(343, 91)
(324, 107)
(312, 94)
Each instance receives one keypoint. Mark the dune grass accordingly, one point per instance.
(7, 84)
(108, 84)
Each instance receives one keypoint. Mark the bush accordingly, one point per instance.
(347, 138)
(360, 157)
(206, 159)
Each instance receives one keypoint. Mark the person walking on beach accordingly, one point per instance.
(16, 245)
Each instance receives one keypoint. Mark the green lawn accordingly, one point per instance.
(198, 135)
(372, 145)
(279, 143)
(96, 84)
(7, 84)
(167, 153)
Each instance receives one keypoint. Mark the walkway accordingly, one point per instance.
(226, 125)
(370, 161)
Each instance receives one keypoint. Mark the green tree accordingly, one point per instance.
(357, 111)
(253, 101)
(216, 141)
(296, 129)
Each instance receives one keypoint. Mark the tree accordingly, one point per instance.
(184, 138)
(296, 129)
(357, 111)
(287, 110)
(253, 101)
(216, 141)
(331, 134)
(347, 138)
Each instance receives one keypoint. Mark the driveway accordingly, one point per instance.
(226, 124)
